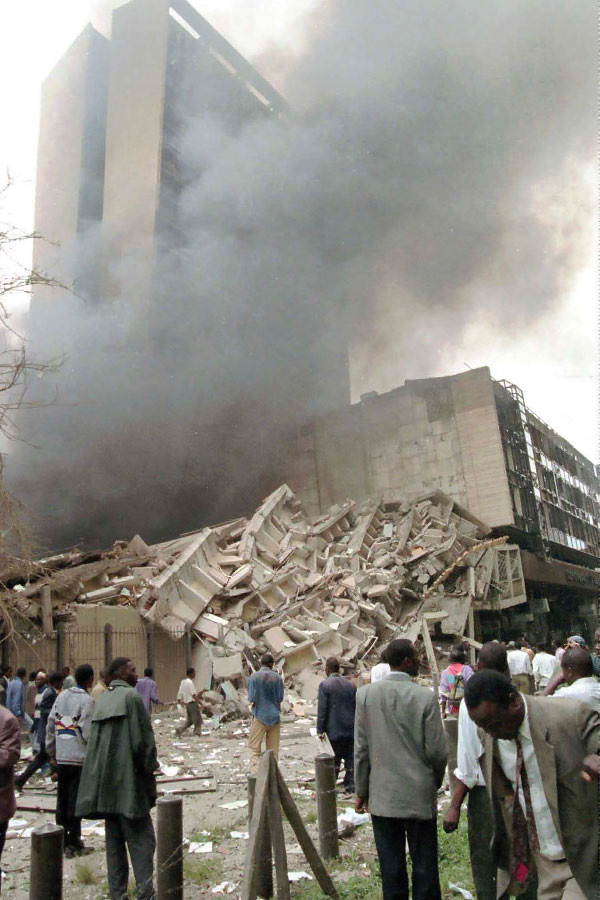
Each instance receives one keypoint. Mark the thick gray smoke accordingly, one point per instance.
(425, 141)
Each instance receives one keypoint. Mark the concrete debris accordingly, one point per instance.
(339, 585)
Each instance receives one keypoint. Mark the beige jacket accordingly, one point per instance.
(563, 733)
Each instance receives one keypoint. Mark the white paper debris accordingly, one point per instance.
(460, 890)
(240, 835)
(234, 804)
(197, 847)
(170, 771)
(299, 876)
(226, 887)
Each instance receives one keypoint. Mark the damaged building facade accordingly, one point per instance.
(475, 439)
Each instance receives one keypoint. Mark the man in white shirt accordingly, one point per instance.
(544, 667)
(188, 696)
(519, 666)
(545, 814)
(469, 780)
(577, 670)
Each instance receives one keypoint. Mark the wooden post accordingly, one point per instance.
(248, 890)
(264, 861)
(61, 645)
(46, 866)
(326, 806)
(169, 848)
(188, 646)
(108, 645)
(435, 675)
(471, 615)
(276, 830)
(46, 610)
(308, 848)
(150, 655)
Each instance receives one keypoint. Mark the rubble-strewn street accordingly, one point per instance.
(215, 820)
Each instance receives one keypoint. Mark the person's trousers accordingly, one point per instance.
(391, 836)
(522, 683)
(137, 836)
(66, 801)
(555, 880)
(480, 830)
(451, 734)
(343, 749)
(258, 731)
(3, 830)
(193, 717)
(37, 762)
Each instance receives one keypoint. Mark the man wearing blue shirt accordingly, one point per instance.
(15, 694)
(265, 693)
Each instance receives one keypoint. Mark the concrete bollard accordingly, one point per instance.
(46, 867)
(264, 881)
(326, 806)
(169, 848)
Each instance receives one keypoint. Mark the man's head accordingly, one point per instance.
(332, 665)
(597, 641)
(493, 656)
(457, 654)
(122, 669)
(512, 645)
(190, 672)
(32, 677)
(576, 663)
(494, 704)
(575, 640)
(267, 660)
(41, 678)
(105, 677)
(148, 672)
(401, 656)
(66, 670)
(21, 673)
(518, 644)
(8, 672)
(55, 680)
(541, 647)
(84, 676)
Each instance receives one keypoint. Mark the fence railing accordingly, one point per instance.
(167, 653)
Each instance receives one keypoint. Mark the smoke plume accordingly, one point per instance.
(412, 187)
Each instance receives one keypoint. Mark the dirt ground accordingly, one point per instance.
(223, 754)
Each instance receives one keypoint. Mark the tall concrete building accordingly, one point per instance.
(111, 131)
(475, 439)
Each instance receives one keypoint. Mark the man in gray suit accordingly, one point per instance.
(399, 762)
(535, 753)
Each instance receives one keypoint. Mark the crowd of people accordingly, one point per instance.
(527, 765)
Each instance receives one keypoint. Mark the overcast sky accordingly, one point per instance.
(554, 363)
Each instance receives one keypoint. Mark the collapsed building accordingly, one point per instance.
(341, 584)
(475, 439)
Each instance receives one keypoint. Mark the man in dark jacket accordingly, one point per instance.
(335, 718)
(47, 701)
(118, 783)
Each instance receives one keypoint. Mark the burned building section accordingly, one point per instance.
(475, 439)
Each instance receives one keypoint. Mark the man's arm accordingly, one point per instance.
(434, 740)
(85, 720)
(51, 734)
(322, 709)
(362, 763)
(10, 744)
(553, 684)
(280, 689)
(528, 665)
(141, 736)
(251, 688)
(468, 751)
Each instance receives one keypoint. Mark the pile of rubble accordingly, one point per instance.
(336, 586)
(339, 585)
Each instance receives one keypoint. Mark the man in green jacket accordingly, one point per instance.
(118, 782)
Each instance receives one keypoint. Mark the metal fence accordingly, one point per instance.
(167, 653)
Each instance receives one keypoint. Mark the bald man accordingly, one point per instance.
(578, 673)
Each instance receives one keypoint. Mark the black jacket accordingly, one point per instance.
(337, 705)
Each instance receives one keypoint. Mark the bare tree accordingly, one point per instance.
(17, 369)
